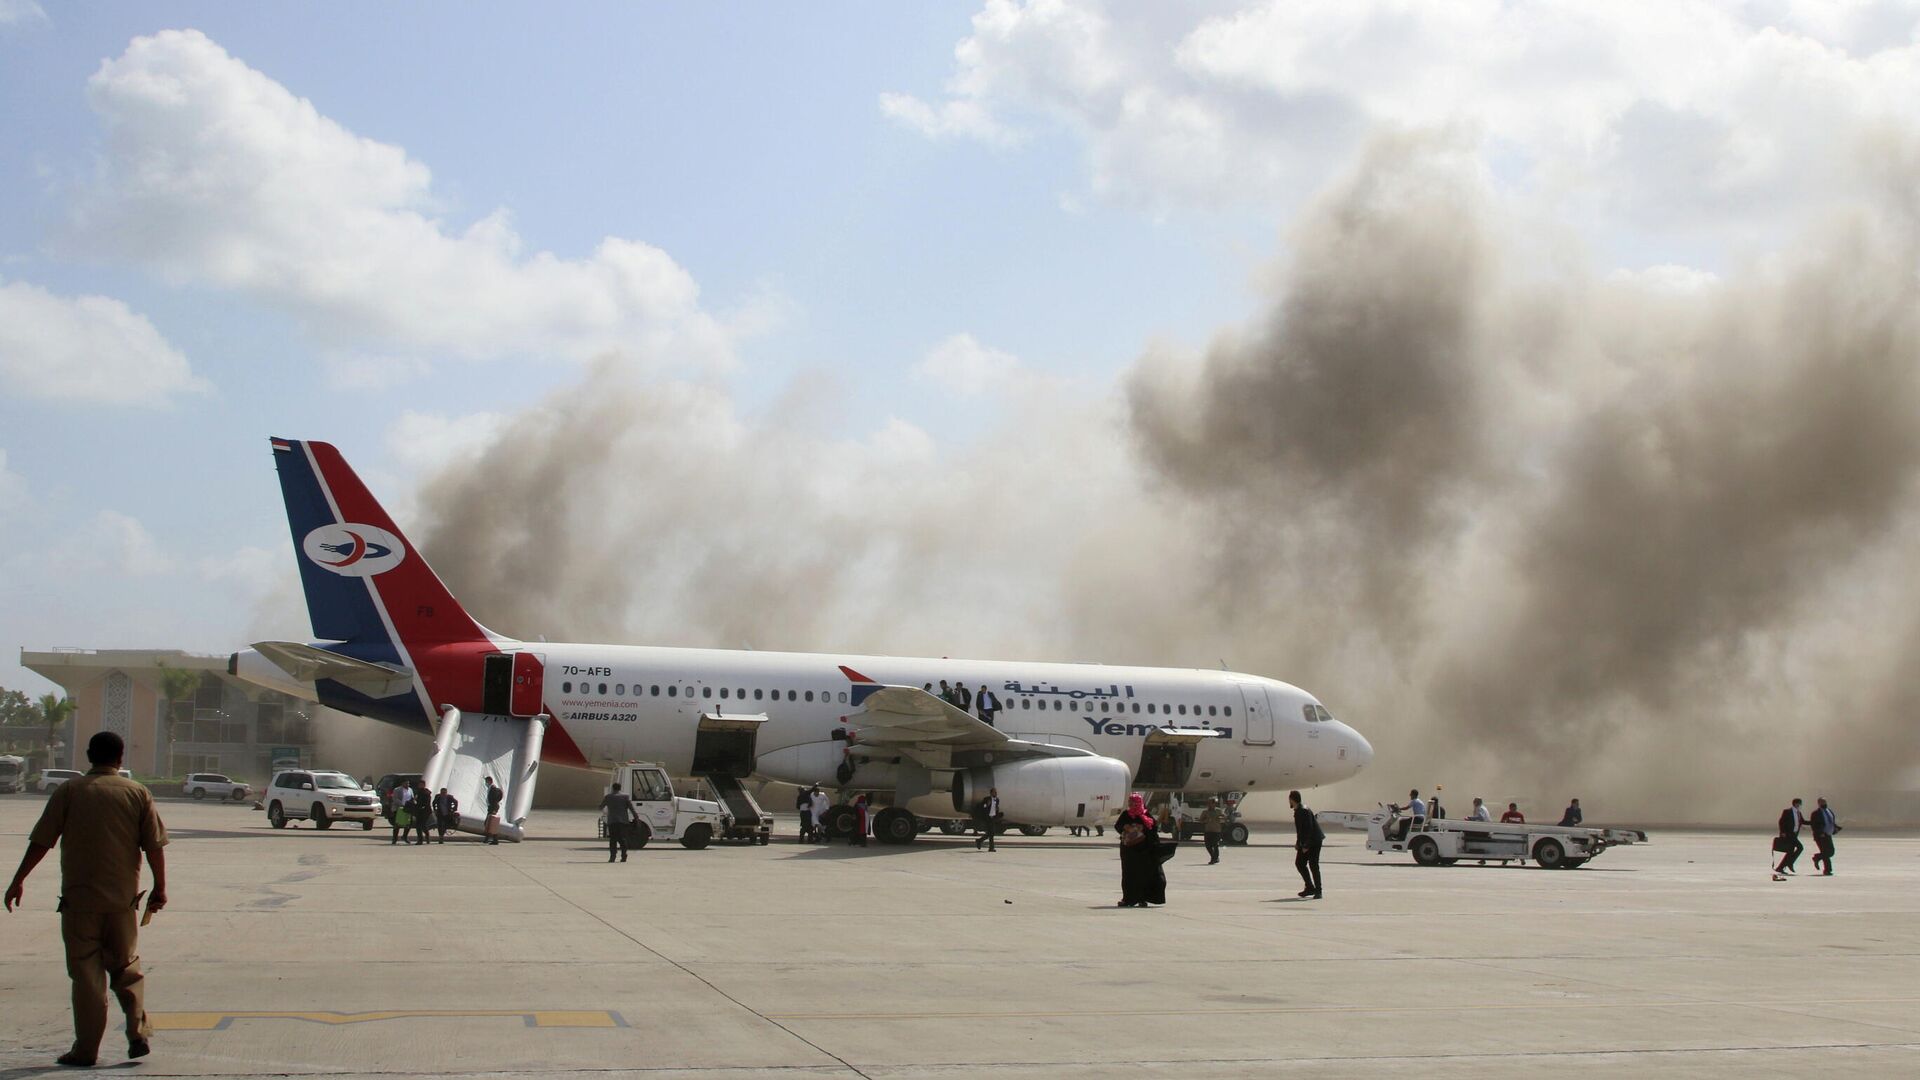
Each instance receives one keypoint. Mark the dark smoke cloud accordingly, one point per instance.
(1536, 531)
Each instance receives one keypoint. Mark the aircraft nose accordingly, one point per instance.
(1359, 751)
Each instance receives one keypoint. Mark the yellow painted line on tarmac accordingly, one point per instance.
(1664, 1003)
(542, 1018)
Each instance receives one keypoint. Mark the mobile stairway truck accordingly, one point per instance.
(1448, 840)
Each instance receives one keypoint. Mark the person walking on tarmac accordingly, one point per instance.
(1824, 826)
(494, 797)
(422, 812)
(989, 822)
(859, 838)
(618, 806)
(103, 823)
(1307, 839)
(1788, 842)
(446, 812)
(401, 815)
(1212, 821)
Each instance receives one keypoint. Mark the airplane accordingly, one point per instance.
(1069, 742)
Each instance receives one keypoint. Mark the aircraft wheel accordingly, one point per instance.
(1033, 830)
(697, 836)
(953, 828)
(1236, 834)
(318, 815)
(895, 826)
(841, 821)
(276, 817)
(1549, 854)
(199, 793)
(1425, 851)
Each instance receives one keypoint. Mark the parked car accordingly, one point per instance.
(320, 796)
(202, 784)
(53, 778)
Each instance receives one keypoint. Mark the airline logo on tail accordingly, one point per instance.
(353, 550)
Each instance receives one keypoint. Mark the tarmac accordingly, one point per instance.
(306, 952)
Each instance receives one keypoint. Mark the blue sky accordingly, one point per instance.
(849, 189)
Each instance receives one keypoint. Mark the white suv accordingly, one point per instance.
(53, 778)
(321, 797)
(202, 784)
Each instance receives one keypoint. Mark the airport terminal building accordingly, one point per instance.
(220, 725)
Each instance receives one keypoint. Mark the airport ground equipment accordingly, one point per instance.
(745, 822)
(13, 773)
(470, 747)
(662, 814)
(1449, 840)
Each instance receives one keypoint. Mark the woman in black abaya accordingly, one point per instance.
(1142, 882)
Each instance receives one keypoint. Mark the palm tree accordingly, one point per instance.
(176, 684)
(54, 712)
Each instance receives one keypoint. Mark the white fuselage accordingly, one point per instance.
(621, 703)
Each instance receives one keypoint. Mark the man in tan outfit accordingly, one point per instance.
(102, 822)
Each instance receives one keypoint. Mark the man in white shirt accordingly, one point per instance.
(1479, 811)
(820, 808)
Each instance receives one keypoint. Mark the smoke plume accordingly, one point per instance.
(1536, 530)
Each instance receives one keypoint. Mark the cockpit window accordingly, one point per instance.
(1319, 714)
(1307, 709)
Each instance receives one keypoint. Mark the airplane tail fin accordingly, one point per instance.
(367, 587)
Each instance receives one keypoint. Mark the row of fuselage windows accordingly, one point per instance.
(728, 693)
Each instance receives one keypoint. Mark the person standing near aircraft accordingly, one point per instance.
(618, 806)
(987, 703)
(446, 812)
(820, 808)
(401, 817)
(989, 820)
(946, 693)
(1513, 816)
(859, 838)
(803, 805)
(1824, 826)
(1573, 816)
(1142, 879)
(1788, 842)
(103, 823)
(494, 798)
(423, 815)
(1212, 821)
(962, 697)
(1308, 838)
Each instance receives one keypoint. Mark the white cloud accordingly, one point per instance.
(964, 366)
(109, 544)
(21, 11)
(1681, 113)
(365, 371)
(87, 348)
(213, 173)
(426, 443)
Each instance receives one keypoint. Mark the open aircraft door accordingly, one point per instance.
(1258, 729)
(1166, 758)
(513, 683)
(529, 683)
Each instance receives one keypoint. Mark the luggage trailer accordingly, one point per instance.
(1449, 840)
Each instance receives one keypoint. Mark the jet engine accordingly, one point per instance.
(1048, 791)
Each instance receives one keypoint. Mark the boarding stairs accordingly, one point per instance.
(749, 822)
(469, 747)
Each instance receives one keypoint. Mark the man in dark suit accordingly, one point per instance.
(1573, 816)
(1791, 821)
(962, 698)
(987, 704)
(1307, 838)
(1824, 826)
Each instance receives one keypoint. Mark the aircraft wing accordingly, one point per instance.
(308, 663)
(908, 720)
